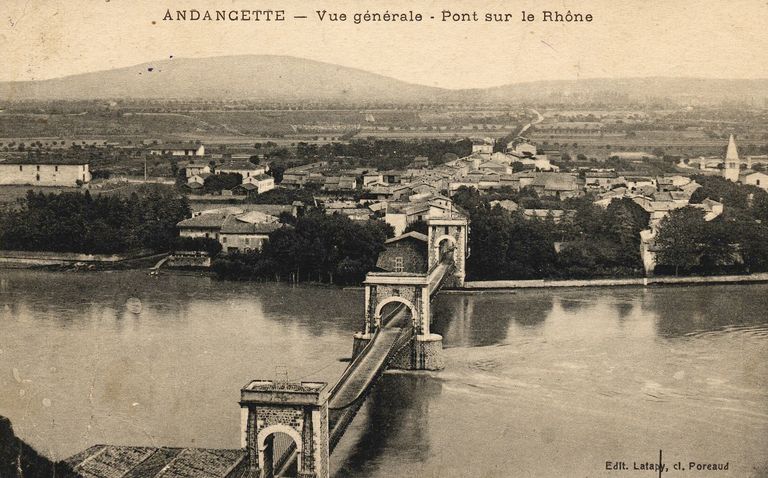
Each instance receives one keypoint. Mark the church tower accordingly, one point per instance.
(732, 163)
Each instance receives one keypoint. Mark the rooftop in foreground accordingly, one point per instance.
(102, 461)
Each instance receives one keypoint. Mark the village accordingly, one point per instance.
(239, 196)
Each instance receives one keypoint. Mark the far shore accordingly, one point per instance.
(503, 285)
(139, 260)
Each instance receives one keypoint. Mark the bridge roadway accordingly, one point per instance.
(358, 379)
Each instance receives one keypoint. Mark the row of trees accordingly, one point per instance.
(318, 247)
(78, 222)
(383, 150)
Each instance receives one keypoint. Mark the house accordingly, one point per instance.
(392, 176)
(405, 253)
(195, 183)
(523, 148)
(754, 178)
(347, 183)
(245, 169)
(482, 146)
(198, 178)
(294, 179)
(635, 183)
(206, 225)
(559, 185)
(374, 178)
(193, 169)
(400, 214)
(247, 232)
(44, 171)
(177, 149)
(420, 162)
(494, 167)
(601, 180)
(507, 204)
(259, 184)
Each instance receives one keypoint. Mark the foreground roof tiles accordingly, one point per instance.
(110, 461)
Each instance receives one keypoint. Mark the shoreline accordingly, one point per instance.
(56, 262)
(504, 285)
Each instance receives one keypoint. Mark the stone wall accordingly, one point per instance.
(412, 252)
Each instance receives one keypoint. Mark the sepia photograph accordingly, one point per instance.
(374, 239)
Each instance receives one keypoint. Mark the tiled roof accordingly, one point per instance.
(408, 235)
(232, 225)
(556, 182)
(203, 221)
(110, 461)
(46, 160)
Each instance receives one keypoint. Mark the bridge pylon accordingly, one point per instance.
(298, 411)
(449, 236)
(412, 293)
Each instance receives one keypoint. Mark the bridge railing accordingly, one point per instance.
(403, 339)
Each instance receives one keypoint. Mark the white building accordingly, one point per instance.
(178, 149)
(754, 178)
(259, 184)
(246, 169)
(43, 172)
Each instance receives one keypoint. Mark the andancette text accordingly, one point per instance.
(374, 16)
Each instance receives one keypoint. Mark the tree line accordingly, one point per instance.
(591, 242)
(735, 241)
(105, 224)
(317, 248)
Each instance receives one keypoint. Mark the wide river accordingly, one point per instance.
(538, 383)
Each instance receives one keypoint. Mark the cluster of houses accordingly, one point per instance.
(255, 179)
(241, 228)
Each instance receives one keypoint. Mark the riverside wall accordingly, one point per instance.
(634, 281)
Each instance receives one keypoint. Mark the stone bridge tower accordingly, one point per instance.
(449, 234)
(298, 410)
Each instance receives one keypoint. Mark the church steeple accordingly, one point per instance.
(732, 162)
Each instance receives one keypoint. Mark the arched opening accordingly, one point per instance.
(278, 447)
(395, 309)
(446, 249)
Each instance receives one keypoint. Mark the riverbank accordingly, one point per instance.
(634, 281)
(46, 259)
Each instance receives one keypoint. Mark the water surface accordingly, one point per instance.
(537, 383)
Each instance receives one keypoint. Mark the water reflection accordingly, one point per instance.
(485, 319)
(397, 412)
(683, 311)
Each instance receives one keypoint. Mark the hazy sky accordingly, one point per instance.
(710, 38)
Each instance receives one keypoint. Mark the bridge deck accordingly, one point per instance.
(362, 375)
(349, 393)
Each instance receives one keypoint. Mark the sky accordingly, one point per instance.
(42, 39)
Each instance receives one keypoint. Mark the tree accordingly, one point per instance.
(215, 183)
(418, 226)
(680, 238)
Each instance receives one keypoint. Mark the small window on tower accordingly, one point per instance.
(399, 264)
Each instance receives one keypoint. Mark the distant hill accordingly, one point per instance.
(619, 90)
(279, 78)
(283, 78)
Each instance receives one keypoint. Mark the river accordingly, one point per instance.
(537, 383)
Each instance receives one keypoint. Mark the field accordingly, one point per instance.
(313, 124)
